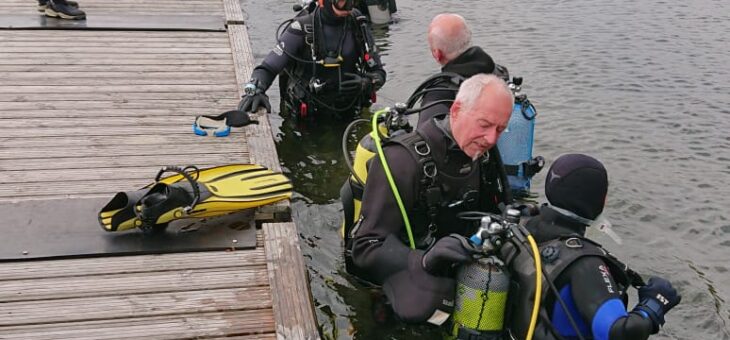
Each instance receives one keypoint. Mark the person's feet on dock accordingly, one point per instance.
(64, 9)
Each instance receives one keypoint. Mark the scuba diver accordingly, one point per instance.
(407, 237)
(329, 62)
(449, 39)
(590, 282)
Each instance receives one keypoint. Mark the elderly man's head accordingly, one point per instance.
(480, 113)
(448, 37)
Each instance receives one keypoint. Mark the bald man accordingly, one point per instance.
(449, 39)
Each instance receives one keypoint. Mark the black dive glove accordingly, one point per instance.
(446, 253)
(361, 83)
(254, 98)
(656, 299)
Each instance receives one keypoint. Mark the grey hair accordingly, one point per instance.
(471, 88)
(452, 45)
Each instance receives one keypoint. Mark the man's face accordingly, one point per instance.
(478, 129)
(340, 4)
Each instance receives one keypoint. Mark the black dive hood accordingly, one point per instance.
(347, 5)
(329, 14)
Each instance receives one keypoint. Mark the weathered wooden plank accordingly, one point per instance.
(139, 173)
(107, 122)
(107, 57)
(121, 68)
(84, 89)
(230, 156)
(123, 284)
(104, 75)
(234, 14)
(61, 82)
(184, 326)
(292, 301)
(135, 305)
(120, 44)
(122, 96)
(138, 264)
(72, 60)
(18, 109)
(112, 34)
(99, 130)
(122, 50)
(260, 138)
(117, 150)
(93, 141)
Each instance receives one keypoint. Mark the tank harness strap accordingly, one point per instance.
(431, 191)
(494, 178)
(429, 194)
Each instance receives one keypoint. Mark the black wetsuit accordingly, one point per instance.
(379, 247)
(589, 286)
(473, 61)
(330, 36)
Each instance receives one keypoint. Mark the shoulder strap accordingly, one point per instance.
(429, 194)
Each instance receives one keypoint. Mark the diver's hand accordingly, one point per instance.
(361, 83)
(446, 253)
(353, 82)
(254, 99)
(656, 299)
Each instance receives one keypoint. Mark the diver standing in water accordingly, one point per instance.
(448, 165)
(330, 63)
(449, 39)
(591, 283)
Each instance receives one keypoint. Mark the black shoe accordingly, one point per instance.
(43, 4)
(62, 9)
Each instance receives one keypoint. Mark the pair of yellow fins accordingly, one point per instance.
(193, 193)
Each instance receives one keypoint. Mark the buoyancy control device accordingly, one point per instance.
(300, 85)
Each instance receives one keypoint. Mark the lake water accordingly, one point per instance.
(642, 86)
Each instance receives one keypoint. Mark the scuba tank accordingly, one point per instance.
(515, 143)
(483, 287)
(394, 123)
(481, 300)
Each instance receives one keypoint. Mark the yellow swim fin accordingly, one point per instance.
(192, 193)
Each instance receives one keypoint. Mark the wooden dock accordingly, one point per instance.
(86, 113)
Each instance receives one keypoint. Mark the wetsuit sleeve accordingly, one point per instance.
(376, 247)
(290, 43)
(373, 64)
(597, 299)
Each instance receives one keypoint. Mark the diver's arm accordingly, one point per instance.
(373, 64)
(376, 247)
(597, 299)
(290, 43)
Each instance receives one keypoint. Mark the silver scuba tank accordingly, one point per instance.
(482, 287)
(481, 299)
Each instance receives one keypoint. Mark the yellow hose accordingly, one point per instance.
(538, 287)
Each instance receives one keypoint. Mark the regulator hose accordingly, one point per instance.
(389, 176)
(346, 152)
(538, 287)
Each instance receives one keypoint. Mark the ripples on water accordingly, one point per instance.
(643, 86)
